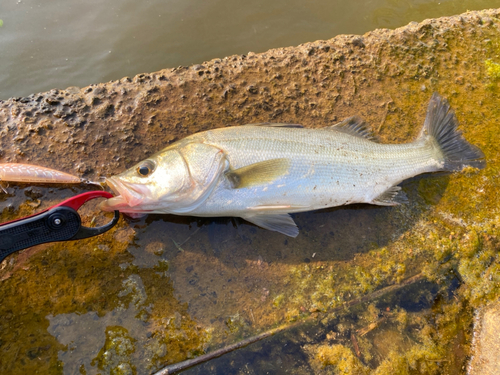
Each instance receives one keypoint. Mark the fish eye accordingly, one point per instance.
(146, 168)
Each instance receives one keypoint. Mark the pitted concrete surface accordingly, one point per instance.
(101, 129)
(486, 343)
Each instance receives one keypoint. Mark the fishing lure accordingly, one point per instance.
(27, 173)
(16, 172)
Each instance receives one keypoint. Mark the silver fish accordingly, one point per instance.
(264, 172)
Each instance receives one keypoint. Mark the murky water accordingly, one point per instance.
(47, 45)
(164, 288)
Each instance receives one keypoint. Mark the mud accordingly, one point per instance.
(163, 289)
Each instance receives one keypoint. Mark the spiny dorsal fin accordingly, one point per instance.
(276, 125)
(391, 197)
(282, 223)
(259, 173)
(354, 126)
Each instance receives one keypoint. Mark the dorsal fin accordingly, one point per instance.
(354, 126)
(275, 125)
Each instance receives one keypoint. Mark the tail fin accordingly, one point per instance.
(441, 123)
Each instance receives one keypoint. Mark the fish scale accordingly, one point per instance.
(264, 172)
(341, 165)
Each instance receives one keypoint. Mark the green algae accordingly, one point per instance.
(279, 300)
(461, 227)
(114, 357)
(416, 347)
(81, 277)
(341, 358)
(492, 70)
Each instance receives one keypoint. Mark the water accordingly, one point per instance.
(47, 45)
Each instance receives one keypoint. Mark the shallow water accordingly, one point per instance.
(159, 289)
(45, 45)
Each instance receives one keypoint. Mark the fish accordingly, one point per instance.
(264, 172)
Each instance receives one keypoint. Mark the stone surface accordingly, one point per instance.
(486, 343)
(101, 129)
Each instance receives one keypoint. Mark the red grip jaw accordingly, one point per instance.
(60, 222)
(74, 202)
(79, 200)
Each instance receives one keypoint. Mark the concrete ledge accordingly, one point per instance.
(102, 129)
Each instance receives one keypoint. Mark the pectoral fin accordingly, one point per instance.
(282, 223)
(260, 173)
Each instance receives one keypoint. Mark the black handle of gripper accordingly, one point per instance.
(57, 224)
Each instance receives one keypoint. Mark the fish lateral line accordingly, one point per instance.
(271, 207)
(349, 167)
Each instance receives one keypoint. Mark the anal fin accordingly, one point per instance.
(391, 197)
(282, 223)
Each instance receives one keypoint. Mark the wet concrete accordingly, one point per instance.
(486, 348)
(162, 289)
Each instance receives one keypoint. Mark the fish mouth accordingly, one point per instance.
(127, 195)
